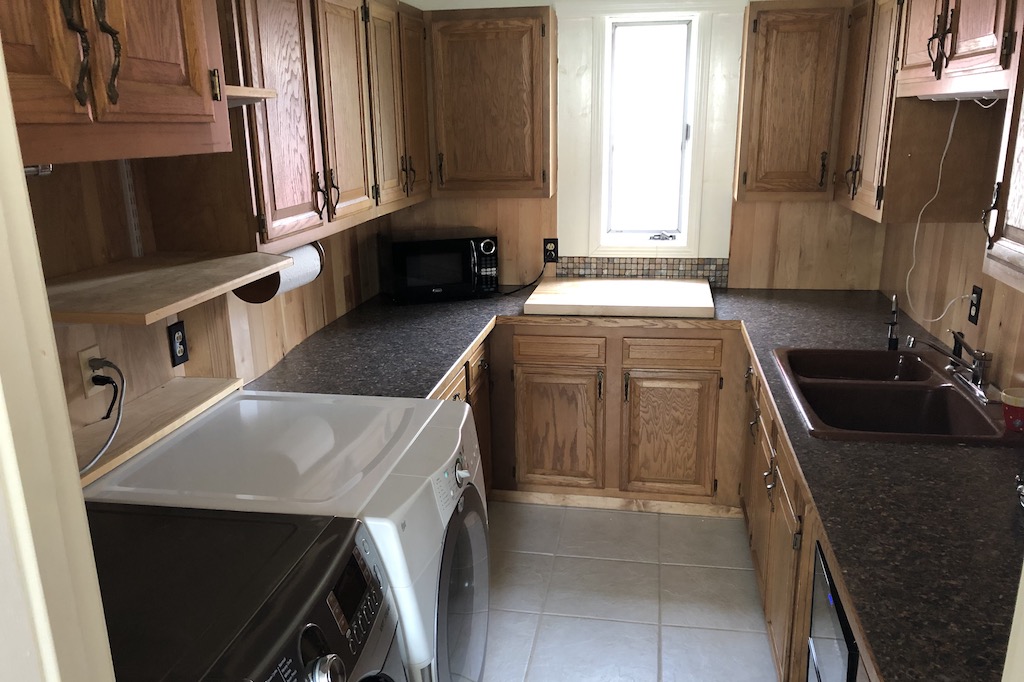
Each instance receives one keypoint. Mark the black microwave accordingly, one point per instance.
(439, 269)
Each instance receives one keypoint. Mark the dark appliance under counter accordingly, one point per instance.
(217, 596)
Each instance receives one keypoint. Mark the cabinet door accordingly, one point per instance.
(854, 89)
(783, 546)
(758, 503)
(492, 100)
(669, 422)
(480, 401)
(923, 17)
(346, 104)
(877, 117)
(44, 61)
(414, 101)
(287, 139)
(789, 103)
(385, 81)
(977, 36)
(559, 425)
(150, 61)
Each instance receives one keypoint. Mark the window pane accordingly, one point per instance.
(647, 126)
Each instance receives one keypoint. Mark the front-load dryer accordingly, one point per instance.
(429, 519)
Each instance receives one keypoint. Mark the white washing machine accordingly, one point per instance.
(409, 468)
(429, 520)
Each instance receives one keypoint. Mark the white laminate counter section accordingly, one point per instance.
(622, 297)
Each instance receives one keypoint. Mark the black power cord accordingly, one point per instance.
(536, 279)
(96, 364)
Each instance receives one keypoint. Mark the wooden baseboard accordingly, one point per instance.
(618, 503)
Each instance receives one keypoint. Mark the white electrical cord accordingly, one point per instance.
(917, 229)
(99, 363)
(984, 106)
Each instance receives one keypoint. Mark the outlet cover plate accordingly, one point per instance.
(550, 250)
(177, 343)
(975, 308)
(91, 389)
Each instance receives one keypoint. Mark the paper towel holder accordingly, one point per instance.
(262, 290)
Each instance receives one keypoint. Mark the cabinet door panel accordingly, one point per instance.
(385, 79)
(559, 426)
(921, 20)
(781, 579)
(977, 36)
(670, 419)
(414, 100)
(156, 68)
(287, 139)
(346, 102)
(854, 92)
(44, 59)
(792, 100)
(758, 502)
(878, 106)
(491, 84)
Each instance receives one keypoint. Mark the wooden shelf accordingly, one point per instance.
(147, 419)
(145, 290)
(240, 95)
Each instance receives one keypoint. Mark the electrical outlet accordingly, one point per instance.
(975, 308)
(91, 389)
(550, 250)
(178, 343)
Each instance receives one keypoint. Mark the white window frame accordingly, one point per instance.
(610, 244)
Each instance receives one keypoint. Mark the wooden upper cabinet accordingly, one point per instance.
(141, 69)
(150, 61)
(954, 46)
(977, 30)
(287, 141)
(48, 75)
(789, 101)
(413, 40)
(386, 83)
(559, 413)
(345, 93)
(854, 89)
(670, 420)
(493, 101)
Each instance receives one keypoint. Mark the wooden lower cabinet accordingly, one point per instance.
(668, 431)
(559, 425)
(643, 410)
(784, 547)
(757, 498)
(479, 400)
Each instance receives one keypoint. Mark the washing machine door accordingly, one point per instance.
(463, 592)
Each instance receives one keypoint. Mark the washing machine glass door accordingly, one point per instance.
(463, 593)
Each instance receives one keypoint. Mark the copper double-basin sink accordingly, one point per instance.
(884, 396)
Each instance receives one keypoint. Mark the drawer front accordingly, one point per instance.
(558, 350)
(453, 387)
(478, 364)
(669, 353)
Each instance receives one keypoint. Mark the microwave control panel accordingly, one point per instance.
(487, 260)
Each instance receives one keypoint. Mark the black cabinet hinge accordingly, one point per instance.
(849, 21)
(513, 472)
(1009, 42)
(721, 383)
(366, 13)
(798, 540)
(261, 225)
(543, 30)
(375, 193)
(424, 32)
(754, 29)
(744, 177)
(215, 89)
(879, 195)
(543, 176)
(715, 488)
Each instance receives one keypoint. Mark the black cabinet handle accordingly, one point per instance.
(824, 169)
(100, 6)
(74, 24)
(440, 170)
(600, 385)
(412, 175)
(318, 191)
(334, 187)
(405, 175)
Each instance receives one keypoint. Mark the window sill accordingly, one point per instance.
(1005, 262)
(645, 249)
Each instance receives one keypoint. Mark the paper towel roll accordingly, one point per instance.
(307, 264)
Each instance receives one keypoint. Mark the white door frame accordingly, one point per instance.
(51, 616)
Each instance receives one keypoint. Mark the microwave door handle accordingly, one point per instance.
(474, 268)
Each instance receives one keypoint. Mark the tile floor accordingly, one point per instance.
(592, 596)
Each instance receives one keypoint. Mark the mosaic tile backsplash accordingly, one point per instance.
(715, 270)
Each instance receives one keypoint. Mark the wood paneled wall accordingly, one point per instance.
(803, 245)
(520, 225)
(949, 263)
(80, 219)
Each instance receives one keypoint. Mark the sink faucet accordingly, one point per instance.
(894, 341)
(981, 360)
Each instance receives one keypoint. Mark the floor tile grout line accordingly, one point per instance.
(544, 600)
(660, 643)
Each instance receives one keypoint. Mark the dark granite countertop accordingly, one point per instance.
(929, 538)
